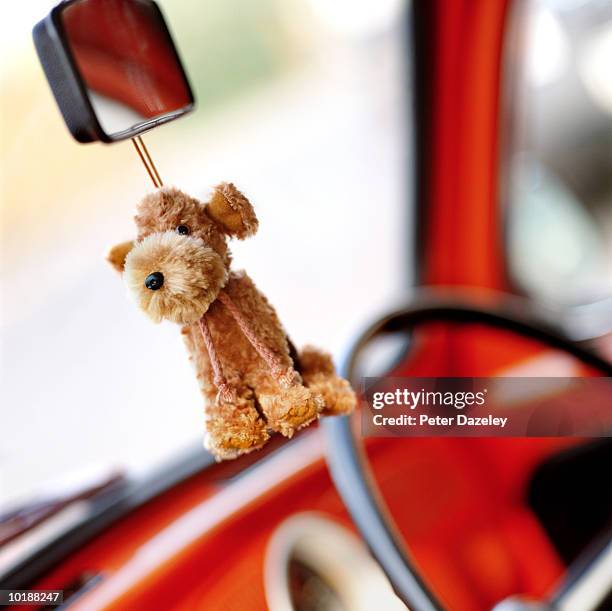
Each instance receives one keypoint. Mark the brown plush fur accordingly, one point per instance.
(117, 254)
(233, 211)
(195, 268)
(194, 274)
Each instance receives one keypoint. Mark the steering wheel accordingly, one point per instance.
(356, 486)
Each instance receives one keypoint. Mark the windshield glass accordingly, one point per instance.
(303, 104)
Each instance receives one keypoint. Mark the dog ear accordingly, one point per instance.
(232, 211)
(117, 254)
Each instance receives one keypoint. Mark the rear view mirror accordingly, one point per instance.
(113, 68)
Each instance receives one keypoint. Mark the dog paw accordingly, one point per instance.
(291, 409)
(337, 393)
(234, 429)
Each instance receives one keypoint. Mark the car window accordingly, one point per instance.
(558, 150)
(303, 105)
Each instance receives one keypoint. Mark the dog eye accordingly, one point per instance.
(182, 229)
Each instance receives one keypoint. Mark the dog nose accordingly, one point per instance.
(154, 281)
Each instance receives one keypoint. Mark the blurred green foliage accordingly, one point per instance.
(229, 46)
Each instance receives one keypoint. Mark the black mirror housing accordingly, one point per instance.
(112, 78)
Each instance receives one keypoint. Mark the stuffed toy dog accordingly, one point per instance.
(252, 379)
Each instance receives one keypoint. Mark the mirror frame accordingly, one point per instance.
(70, 90)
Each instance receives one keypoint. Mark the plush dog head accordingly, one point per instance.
(180, 260)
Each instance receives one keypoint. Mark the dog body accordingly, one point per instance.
(179, 269)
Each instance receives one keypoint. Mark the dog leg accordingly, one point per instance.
(319, 375)
(235, 428)
(288, 409)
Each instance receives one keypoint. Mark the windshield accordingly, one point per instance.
(303, 106)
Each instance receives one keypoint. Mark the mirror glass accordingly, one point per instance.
(127, 61)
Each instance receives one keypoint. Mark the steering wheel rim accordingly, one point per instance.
(349, 465)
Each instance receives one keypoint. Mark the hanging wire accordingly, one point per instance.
(145, 157)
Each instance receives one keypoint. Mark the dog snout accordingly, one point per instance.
(154, 281)
(189, 273)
